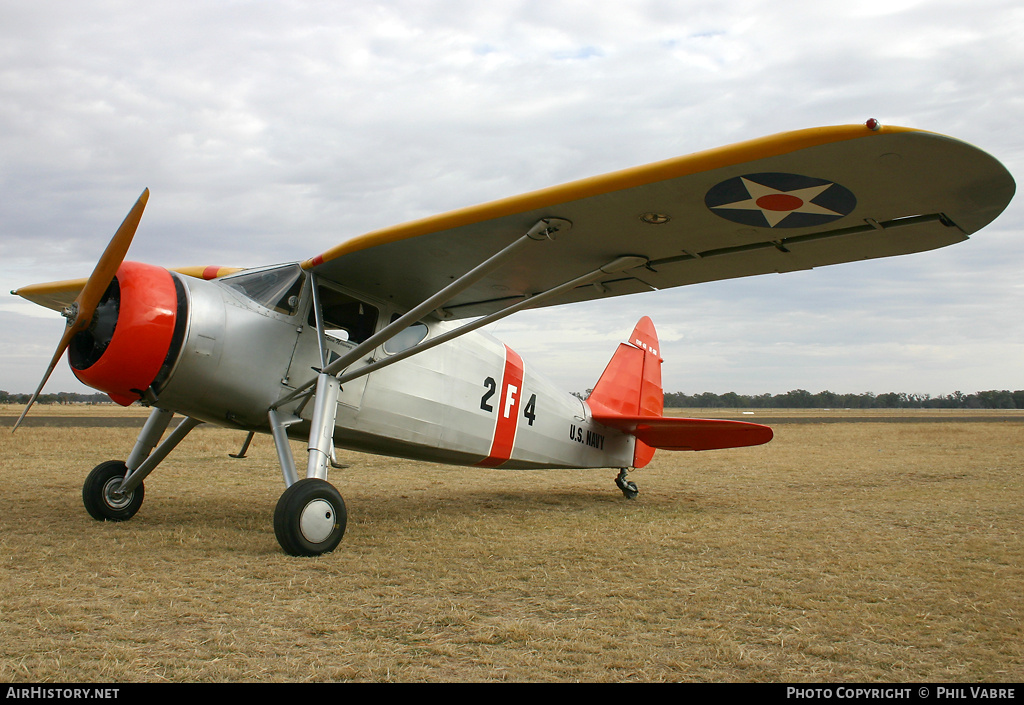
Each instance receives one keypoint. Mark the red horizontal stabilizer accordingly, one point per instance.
(671, 433)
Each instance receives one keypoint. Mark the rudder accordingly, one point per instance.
(630, 385)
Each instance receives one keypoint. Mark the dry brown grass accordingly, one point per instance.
(839, 552)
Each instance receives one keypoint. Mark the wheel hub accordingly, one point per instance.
(113, 496)
(317, 521)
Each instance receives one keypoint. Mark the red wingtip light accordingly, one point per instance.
(873, 125)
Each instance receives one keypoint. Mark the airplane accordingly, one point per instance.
(375, 345)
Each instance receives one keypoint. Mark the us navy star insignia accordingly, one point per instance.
(775, 205)
(780, 200)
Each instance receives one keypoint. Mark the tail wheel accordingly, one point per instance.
(310, 518)
(629, 489)
(102, 497)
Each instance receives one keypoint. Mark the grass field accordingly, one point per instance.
(838, 552)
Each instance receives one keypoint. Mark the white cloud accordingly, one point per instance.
(272, 131)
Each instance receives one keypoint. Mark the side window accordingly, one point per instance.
(407, 338)
(345, 318)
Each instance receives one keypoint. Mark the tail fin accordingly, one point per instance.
(629, 397)
(630, 385)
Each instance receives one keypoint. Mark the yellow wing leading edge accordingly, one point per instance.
(788, 202)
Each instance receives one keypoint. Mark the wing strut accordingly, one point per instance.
(618, 264)
(544, 229)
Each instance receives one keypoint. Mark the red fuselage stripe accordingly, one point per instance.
(507, 410)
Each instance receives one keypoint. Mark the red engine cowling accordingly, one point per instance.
(135, 335)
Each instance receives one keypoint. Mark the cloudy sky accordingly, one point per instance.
(271, 131)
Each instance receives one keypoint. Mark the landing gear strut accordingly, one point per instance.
(628, 488)
(310, 517)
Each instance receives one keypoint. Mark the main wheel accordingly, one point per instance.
(310, 518)
(102, 497)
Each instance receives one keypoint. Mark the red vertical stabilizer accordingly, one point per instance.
(629, 397)
(630, 386)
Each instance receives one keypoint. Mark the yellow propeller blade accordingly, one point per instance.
(80, 313)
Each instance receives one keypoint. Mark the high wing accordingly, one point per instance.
(783, 203)
(787, 202)
(60, 295)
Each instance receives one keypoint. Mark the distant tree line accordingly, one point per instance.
(58, 398)
(795, 399)
(802, 399)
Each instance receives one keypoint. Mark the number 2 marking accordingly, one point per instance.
(492, 387)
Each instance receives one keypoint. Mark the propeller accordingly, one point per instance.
(79, 314)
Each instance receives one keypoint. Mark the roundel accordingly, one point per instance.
(776, 200)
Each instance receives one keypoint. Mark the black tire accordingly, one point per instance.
(100, 496)
(310, 518)
(629, 489)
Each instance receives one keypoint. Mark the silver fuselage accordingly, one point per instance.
(456, 403)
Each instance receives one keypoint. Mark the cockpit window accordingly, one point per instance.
(345, 318)
(277, 289)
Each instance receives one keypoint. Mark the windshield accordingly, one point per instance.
(277, 289)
